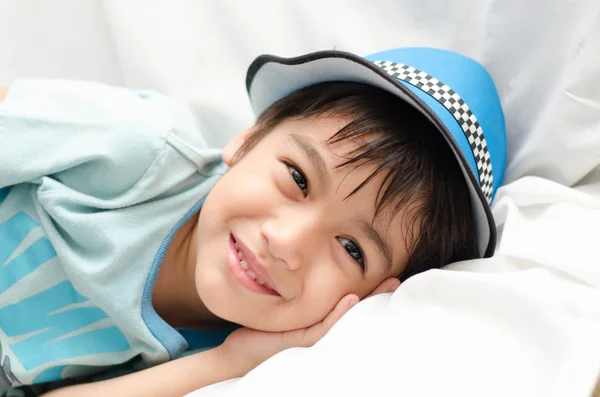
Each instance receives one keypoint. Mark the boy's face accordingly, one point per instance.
(283, 204)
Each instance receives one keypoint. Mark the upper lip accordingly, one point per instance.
(255, 265)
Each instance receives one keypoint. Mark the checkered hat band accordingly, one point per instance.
(459, 110)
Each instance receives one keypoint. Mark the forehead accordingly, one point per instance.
(317, 131)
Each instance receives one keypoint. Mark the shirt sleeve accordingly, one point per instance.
(94, 138)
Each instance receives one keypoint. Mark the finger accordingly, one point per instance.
(317, 331)
(388, 285)
(339, 310)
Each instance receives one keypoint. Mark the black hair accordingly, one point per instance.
(421, 172)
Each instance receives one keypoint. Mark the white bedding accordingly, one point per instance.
(524, 323)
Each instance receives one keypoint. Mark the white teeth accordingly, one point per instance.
(246, 267)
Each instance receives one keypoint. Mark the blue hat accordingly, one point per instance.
(455, 92)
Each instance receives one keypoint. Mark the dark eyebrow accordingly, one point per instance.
(383, 248)
(307, 146)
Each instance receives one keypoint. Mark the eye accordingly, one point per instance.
(353, 250)
(299, 178)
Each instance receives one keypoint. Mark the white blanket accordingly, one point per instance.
(524, 323)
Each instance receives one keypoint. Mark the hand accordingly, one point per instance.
(247, 348)
(3, 92)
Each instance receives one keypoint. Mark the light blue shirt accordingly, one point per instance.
(94, 182)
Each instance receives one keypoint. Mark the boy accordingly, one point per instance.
(120, 232)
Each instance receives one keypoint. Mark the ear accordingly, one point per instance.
(234, 144)
(388, 285)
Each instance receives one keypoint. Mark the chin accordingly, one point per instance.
(248, 319)
(267, 327)
(254, 319)
(272, 325)
(218, 297)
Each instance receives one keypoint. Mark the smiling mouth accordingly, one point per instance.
(244, 273)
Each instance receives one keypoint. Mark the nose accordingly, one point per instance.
(290, 239)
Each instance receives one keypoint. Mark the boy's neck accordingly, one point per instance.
(175, 298)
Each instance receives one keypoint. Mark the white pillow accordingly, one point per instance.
(523, 323)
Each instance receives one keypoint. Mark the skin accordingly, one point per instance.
(302, 241)
(258, 200)
(297, 238)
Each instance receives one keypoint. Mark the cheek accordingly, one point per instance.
(247, 186)
(321, 293)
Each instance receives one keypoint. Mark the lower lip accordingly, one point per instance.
(233, 261)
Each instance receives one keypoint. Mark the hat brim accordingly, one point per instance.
(270, 78)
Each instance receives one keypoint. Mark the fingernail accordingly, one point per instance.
(353, 302)
(396, 287)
